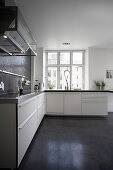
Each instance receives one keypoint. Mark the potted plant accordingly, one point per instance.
(103, 84)
(51, 86)
(98, 85)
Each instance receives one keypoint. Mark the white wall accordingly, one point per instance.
(100, 60)
(86, 70)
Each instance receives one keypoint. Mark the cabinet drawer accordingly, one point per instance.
(26, 131)
(25, 109)
(94, 109)
(41, 99)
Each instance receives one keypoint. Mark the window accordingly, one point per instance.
(64, 58)
(65, 68)
(77, 77)
(52, 58)
(52, 77)
(64, 74)
(77, 58)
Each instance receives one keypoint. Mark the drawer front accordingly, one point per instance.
(24, 110)
(98, 109)
(41, 99)
(26, 131)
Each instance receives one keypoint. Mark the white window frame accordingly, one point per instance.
(58, 65)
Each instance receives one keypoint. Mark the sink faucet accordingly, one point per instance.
(67, 84)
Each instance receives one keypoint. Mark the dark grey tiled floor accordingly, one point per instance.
(71, 143)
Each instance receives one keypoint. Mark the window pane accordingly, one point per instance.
(77, 77)
(77, 58)
(64, 74)
(52, 58)
(64, 58)
(52, 77)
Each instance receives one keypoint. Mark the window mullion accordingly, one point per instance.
(58, 70)
(71, 70)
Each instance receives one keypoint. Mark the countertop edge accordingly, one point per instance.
(27, 97)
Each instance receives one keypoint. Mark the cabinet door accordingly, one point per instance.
(94, 103)
(55, 103)
(26, 131)
(72, 103)
(26, 108)
(40, 108)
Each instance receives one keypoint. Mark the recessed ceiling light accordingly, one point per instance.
(65, 43)
(5, 36)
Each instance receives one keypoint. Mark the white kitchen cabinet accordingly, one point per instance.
(26, 131)
(41, 107)
(72, 103)
(110, 102)
(22, 122)
(54, 102)
(30, 114)
(94, 103)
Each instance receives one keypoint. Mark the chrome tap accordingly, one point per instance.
(67, 84)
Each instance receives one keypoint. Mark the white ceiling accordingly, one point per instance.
(83, 23)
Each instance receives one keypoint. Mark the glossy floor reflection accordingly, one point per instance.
(71, 143)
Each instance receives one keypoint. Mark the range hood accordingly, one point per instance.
(15, 37)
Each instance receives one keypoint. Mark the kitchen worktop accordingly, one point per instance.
(16, 98)
(111, 91)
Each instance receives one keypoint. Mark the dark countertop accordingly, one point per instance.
(108, 91)
(16, 98)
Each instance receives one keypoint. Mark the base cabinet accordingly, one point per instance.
(94, 104)
(54, 103)
(26, 132)
(34, 111)
(77, 103)
(18, 124)
(23, 119)
(72, 103)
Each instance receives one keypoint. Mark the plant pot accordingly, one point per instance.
(102, 87)
(98, 87)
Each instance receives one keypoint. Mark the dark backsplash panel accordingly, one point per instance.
(15, 64)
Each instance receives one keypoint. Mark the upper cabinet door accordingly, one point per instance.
(55, 103)
(72, 103)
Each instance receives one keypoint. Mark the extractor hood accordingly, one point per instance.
(15, 37)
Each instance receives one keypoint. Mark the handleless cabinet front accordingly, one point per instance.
(26, 131)
(72, 103)
(94, 103)
(54, 103)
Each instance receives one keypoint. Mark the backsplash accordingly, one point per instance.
(16, 64)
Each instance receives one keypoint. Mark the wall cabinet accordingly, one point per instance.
(72, 103)
(54, 103)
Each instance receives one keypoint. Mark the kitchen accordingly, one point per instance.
(56, 85)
